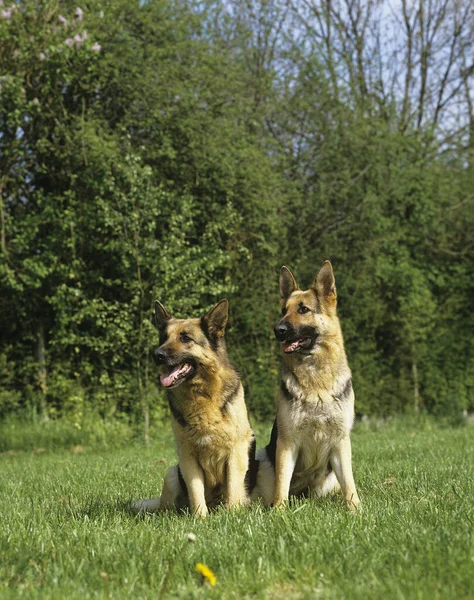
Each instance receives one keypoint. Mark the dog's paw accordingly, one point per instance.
(201, 511)
(145, 506)
(281, 504)
(354, 504)
(236, 503)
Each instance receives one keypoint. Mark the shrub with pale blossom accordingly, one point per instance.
(76, 41)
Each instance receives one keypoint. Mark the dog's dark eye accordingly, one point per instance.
(303, 310)
(184, 337)
(283, 311)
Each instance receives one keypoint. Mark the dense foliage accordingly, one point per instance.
(183, 151)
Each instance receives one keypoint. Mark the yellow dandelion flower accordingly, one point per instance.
(206, 573)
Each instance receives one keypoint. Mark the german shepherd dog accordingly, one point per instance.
(310, 448)
(215, 443)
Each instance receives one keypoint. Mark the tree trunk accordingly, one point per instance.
(40, 356)
(144, 402)
(416, 389)
(146, 422)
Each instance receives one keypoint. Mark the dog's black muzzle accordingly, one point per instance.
(284, 331)
(160, 356)
(295, 339)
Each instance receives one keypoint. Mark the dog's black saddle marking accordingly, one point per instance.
(229, 395)
(346, 391)
(272, 444)
(175, 412)
(252, 471)
(285, 391)
(182, 483)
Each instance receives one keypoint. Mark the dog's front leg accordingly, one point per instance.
(193, 476)
(237, 466)
(341, 461)
(286, 456)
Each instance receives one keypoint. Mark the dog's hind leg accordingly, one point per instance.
(150, 505)
(265, 487)
(172, 495)
(326, 485)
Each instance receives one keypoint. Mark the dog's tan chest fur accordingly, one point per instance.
(318, 421)
(212, 434)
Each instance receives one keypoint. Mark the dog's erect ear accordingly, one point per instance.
(215, 320)
(324, 285)
(162, 316)
(287, 284)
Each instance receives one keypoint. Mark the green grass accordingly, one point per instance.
(66, 532)
(26, 432)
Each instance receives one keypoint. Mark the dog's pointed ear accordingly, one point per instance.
(214, 321)
(287, 284)
(324, 285)
(161, 316)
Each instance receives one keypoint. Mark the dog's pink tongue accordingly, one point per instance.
(291, 347)
(169, 379)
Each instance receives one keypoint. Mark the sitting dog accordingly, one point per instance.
(215, 443)
(310, 450)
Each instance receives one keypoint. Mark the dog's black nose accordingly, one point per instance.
(281, 329)
(160, 356)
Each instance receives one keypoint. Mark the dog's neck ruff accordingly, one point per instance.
(305, 379)
(202, 392)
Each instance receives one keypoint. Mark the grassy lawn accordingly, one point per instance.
(66, 533)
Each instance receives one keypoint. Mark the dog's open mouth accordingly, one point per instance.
(297, 345)
(177, 375)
